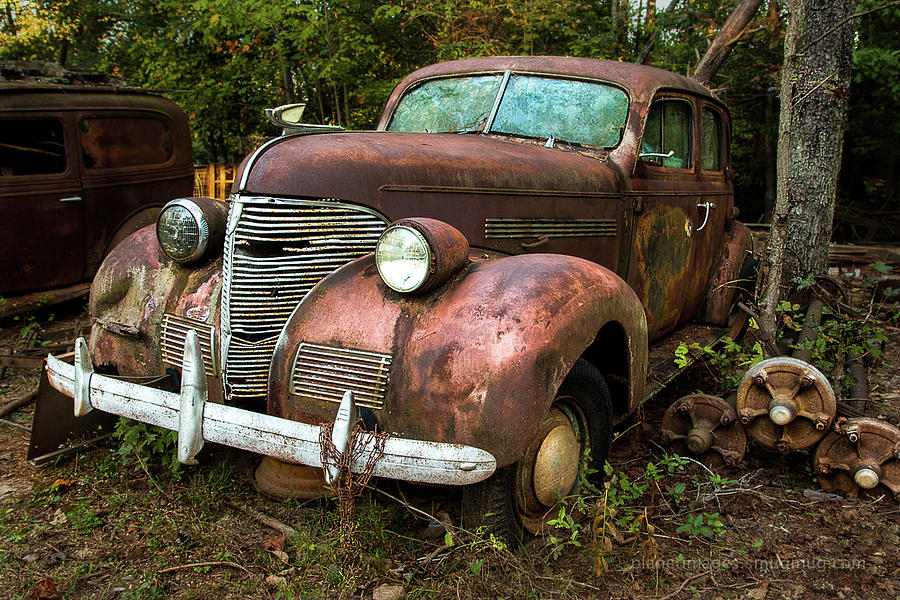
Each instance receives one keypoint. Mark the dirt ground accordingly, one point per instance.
(104, 525)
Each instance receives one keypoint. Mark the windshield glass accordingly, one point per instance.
(582, 112)
(447, 105)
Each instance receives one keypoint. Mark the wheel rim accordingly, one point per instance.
(549, 469)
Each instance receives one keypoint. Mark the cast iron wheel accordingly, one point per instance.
(523, 496)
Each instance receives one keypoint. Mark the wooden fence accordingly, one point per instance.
(213, 181)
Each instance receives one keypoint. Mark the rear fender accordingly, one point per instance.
(725, 283)
(478, 361)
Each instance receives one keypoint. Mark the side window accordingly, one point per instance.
(668, 130)
(31, 147)
(111, 142)
(710, 140)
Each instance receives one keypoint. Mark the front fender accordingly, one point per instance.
(478, 361)
(134, 287)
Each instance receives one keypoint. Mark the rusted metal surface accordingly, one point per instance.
(476, 362)
(860, 457)
(723, 286)
(135, 287)
(105, 187)
(786, 404)
(280, 479)
(471, 181)
(627, 254)
(56, 431)
(706, 427)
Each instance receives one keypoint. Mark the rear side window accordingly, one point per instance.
(710, 141)
(31, 147)
(668, 130)
(111, 142)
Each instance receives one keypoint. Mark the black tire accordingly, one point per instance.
(492, 504)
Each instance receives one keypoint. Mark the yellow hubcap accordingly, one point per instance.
(556, 465)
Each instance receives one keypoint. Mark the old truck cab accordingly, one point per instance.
(465, 296)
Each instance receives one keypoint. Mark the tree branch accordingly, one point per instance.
(844, 21)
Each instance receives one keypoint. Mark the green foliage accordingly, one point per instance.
(565, 523)
(729, 360)
(703, 524)
(141, 444)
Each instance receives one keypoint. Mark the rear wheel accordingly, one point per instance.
(576, 429)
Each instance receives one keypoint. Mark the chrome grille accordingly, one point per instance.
(174, 331)
(276, 250)
(522, 228)
(325, 373)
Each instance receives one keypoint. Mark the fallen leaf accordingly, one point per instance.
(30, 557)
(275, 580)
(282, 555)
(275, 544)
(59, 517)
(388, 592)
(46, 590)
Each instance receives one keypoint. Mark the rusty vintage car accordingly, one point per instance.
(480, 279)
(81, 168)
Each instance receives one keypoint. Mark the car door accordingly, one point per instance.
(41, 230)
(129, 165)
(679, 216)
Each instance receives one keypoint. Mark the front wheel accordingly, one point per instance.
(574, 435)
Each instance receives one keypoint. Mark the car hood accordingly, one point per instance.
(389, 170)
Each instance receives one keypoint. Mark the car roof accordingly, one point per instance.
(641, 80)
(17, 96)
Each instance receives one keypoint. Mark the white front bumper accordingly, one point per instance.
(197, 420)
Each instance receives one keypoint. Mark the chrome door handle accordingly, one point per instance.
(708, 206)
(71, 199)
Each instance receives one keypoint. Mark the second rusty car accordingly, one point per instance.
(492, 279)
(81, 168)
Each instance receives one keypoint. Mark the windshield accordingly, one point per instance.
(582, 112)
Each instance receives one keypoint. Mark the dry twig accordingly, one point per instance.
(214, 563)
(266, 520)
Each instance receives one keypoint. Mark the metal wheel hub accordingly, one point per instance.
(860, 457)
(556, 465)
(786, 404)
(548, 470)
(707, 427)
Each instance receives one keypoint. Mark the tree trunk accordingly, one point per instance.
(814, 85)
(725, 40)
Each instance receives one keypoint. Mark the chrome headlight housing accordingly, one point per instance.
(185, 227)
(419, 254)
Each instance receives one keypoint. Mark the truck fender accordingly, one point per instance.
(477, 361)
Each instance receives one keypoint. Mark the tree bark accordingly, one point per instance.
(725, 40)
(815, 81)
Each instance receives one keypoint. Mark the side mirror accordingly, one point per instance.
(287, 115)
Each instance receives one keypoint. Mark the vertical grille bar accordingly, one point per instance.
(276, 250)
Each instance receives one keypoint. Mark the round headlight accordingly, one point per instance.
(182, 231)
(403, 258)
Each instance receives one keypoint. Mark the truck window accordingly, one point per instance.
(112, 142)
(710, 140)
(31, 147)
(668, 129)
